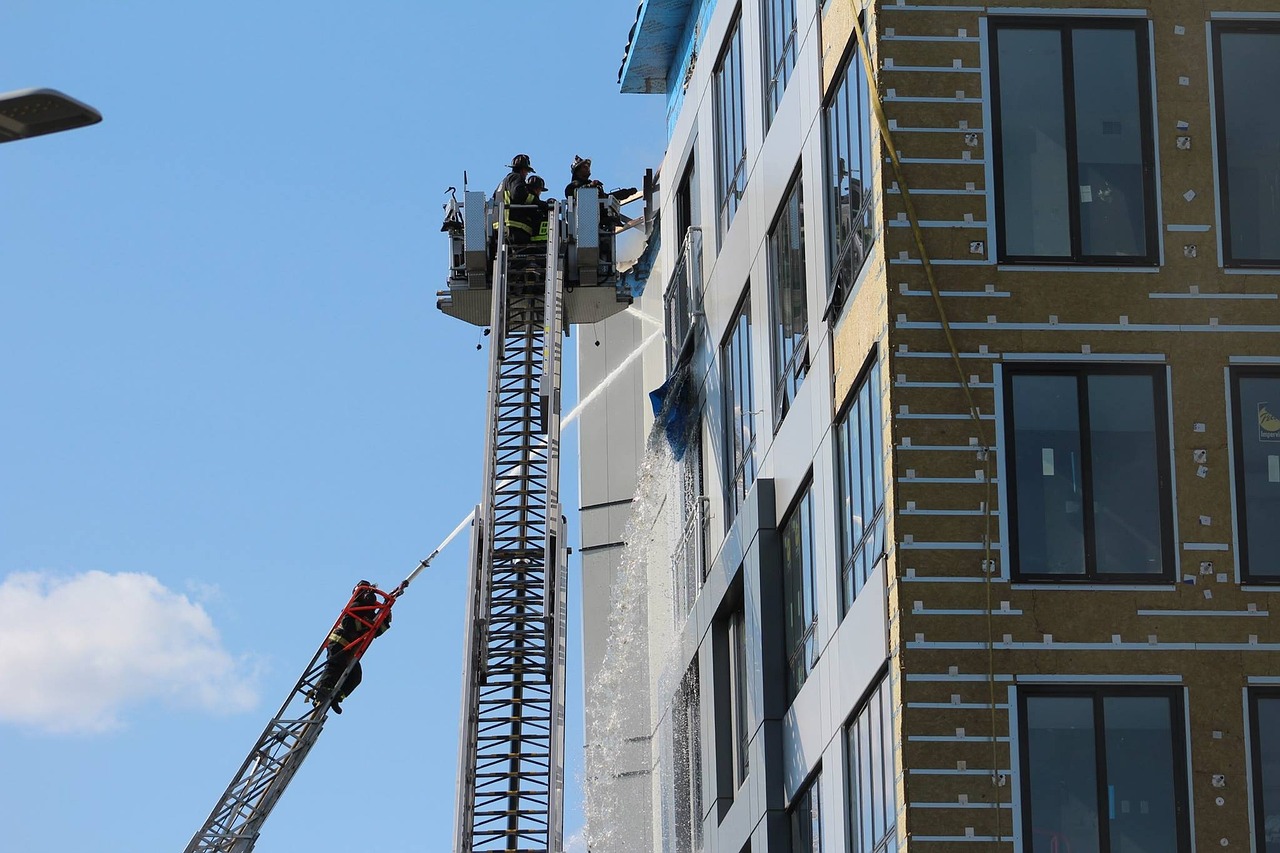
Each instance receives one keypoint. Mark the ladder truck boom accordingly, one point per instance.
(511, 738)
(511, 744)
(236, 821)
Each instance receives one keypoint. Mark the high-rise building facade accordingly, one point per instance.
(970, 547)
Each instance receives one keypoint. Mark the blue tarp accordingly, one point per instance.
(675, 409)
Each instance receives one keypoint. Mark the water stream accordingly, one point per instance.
(595, 392)
(628, 704)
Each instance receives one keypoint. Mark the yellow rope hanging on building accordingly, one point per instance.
(988, 567)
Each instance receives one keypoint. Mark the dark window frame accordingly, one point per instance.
(841, 273)
(811, 790)
(1257, 801)
(1146, 109)
(739, 693)
(731, 178)
(849, 553)
(803, 648)
(787, 376)
(1098, 693)
(1220, 135)
(731, 696)
(856, 802)
(778, 53)
(1008, 431)
(1235, 374)
(739, 474)
(686, 202)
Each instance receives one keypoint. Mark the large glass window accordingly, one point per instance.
(1089, 485)
(1103, 771)
(870, 770)
(689, 560)
(1073, 141)
(739, 409)
(860, 486)
(741, 696)
(790, 301)
(1255, 413)
(805, 818)
(1264, 743)
(1247, 63)
(799, 593)
(778, 40)
(846, 122)
(732, 712)
(731, 139)
(688, 212)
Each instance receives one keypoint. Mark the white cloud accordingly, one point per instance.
(79, 650)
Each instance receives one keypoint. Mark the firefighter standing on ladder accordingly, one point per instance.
(341, 645)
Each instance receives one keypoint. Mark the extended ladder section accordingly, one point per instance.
(511, 754)
(236, 820)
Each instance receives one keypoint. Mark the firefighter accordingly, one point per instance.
(581, 177)
(339, 645)
(512, 192)
(530, 213)
(521, 167)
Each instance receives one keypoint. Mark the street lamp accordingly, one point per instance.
(35, 112)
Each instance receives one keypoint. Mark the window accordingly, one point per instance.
(1246, 59)
(688, 212)
(688, 201)
(739, 409)
(687, 749)
(740, 694)
(1103, 770)
(790, 302)
(798, 592)
(731, 671)
(805, 818)
(1264, 746)
(778, 38)
(688, 563)
(860, 486)
(1089, 484)
(871, 776)
(1255, 406)
(1073, 146)
(731, 140)
(847, 123)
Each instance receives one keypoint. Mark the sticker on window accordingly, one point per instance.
(1268, 424)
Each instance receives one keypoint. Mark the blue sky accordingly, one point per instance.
(227, 393)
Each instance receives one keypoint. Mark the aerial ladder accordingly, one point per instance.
(511, 737)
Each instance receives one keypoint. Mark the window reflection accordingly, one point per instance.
(1256, 417)
(1073, 141)
(1089, 481)
(1248, 127)
(1105, 770)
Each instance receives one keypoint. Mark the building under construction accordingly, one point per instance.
(979, 315)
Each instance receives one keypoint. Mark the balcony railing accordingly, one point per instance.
(688, 560)
(683, 297)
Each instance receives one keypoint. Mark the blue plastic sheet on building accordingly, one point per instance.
(675, 409)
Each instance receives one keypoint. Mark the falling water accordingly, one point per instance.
(627, 703)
